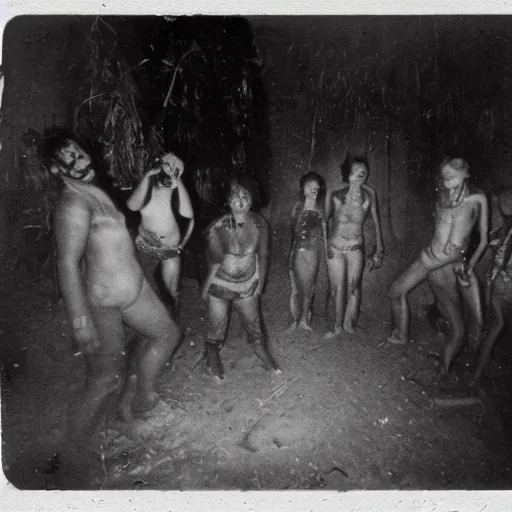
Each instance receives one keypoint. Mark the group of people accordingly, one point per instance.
(448, 263)
(333, 227)
(108, 280)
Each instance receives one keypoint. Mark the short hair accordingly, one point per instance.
(249, 184)
(346, 166)
(459, 164)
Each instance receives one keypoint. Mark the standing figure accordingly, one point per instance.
(104, 290)
(458, 209)
(349, 207)
(499, 284)
(159, 240)
(237, 259)
(308, 247)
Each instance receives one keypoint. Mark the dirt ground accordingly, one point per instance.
(354, 413)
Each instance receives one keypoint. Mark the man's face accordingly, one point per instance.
(239, 199)
(75, 162)
(311, 189)
(452, 178)
(358, 173)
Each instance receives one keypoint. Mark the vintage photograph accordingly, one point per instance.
(256, 252)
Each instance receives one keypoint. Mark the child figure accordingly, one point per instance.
(237, 258)
(309, 235)
(159, 241)
(499, 284)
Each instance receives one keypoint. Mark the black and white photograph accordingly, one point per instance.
(256, 252)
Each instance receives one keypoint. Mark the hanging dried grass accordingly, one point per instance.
(116, 114)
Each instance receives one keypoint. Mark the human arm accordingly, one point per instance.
(329, 209)
(482, 229)
(185, 210)
(293, 219)
(137, 199)
(262, 253)
(215, 257)
(374, 208)
(71, 224)
(212, 270)
(293, 222)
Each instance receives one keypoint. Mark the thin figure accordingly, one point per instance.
(458, 210)
(237, 258)
(346, 210)
(159, 242)
(109, 294)
(309, 235)
(499, 284)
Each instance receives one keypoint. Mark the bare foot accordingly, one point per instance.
(145, 402)
(292, 327)
(333, 334)
(349, 328)
(395, 338)
(123, 428)
(304, 325)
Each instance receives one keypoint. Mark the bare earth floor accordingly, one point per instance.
(352, 413)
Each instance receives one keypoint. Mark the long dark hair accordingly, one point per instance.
(313, 176)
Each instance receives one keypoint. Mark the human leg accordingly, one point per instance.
(306, 271)
(149, 318)
(294, 296)
(105, 370)
(355, 265)
(443, 283)
(249, 309)
(336, 266)
(473, 310)
(398, 292)
(148, 264)
(218, 317)
(171, 271)
(497, 307)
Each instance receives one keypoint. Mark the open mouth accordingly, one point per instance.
(82, 174)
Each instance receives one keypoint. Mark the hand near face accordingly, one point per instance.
(153, 172)
(172, 166)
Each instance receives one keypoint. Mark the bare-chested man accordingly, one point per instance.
(349, 207)
(499, 284)
(458, 209)
(159, 238)
(104, 289)
(308, 248)
(237, 257)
